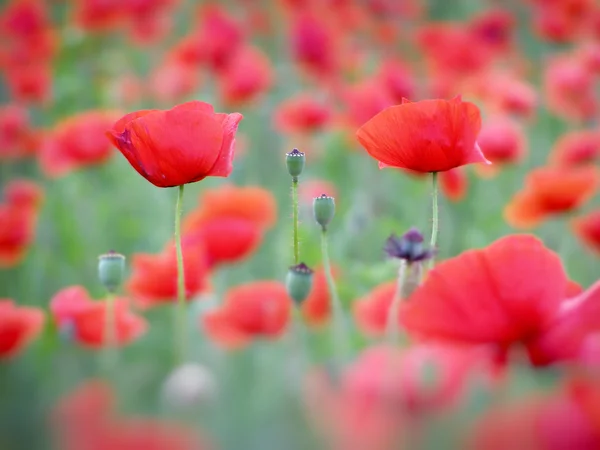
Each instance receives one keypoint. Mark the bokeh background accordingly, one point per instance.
(60, 59)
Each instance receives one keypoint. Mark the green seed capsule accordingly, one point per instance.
(111, 270)
(295, 162)
(299, 282)
(324, 210)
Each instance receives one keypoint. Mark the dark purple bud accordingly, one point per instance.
(408, 247)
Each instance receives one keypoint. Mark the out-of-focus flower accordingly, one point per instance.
(549, 191)
(371, 311)
(153, 279)
(230, 222)
(246, 76)
(85, 419)
(75, 312)
(575, 148)
(173, 80)
(29, 82)
(569, 89)
(316, 309)
(177, 146)
(19, 325)
(364, 100)
(397, 79)
(502, 141)
(454, 183)
(521, 289)
(18, 220)
(587, 229)
(425, 136)
(494, 29)
(76, 142)
(260, 309)
(302, 114)
(561, 20)
(506, 93)
(16, 134)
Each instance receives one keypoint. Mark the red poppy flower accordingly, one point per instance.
(15, 132)
(587, 229)
(247, 75)
(172, 80)
(316, 308)
(550, 191)
(494, 28)
(29, 82)
(260, 309)
(502, 141)
(74, 311)
(78, 141)
(371, 311)
(364, 100)
(85, 419)
(230, 222)
(18, 220)
(302, 114)
(569, 89)
(505, 93)
(398, 80)
(521, 291)
(561, 20)
(576, 147)
(425, 136)
(178, 146)
(453, 183)
(153, 279)
(19, 325)
(98, 15)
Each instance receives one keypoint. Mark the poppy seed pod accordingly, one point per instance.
(294, 161)
(111, 270)
(324, 210)
(298, 282)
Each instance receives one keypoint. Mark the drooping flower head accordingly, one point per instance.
(178, 146)
(425, 136)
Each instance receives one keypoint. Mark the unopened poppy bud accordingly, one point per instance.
(295, 162)
(111, 270)
(408, 247)
(324, 210)
(299, 282)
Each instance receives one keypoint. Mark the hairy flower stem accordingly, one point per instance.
(340, 334)
(435, 219)
(110, 335)
(392, 331)
(295, 219)
(180, 316)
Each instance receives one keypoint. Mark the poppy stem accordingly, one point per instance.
(109, 333)
(435, 219)
(180, 317)
(295, 219)
(392, 331)
(340, 335)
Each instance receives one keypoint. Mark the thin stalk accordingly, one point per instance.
(392, 331)
(110, 335)
(340, 334)
(181, 316)
(435, 219)
(295, 219)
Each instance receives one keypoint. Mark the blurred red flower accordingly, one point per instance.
(19, 325)
(587, 229)
(575, 148)
(246, 76)
(18, 220)
(172, 80)
(316, 308)
(302, 114)
(230, 222)
(177, 146)
(398, 79)
(494, 28)
(372, 310)
(16, 134)
(260, 309)
(506, 93)
(561, 20)
(76, 142)
(85, 419)
(153, 279)
(521, 290)
(364, 100)
(549, 191)
(75, 312)
(425, 136)
(502, 141)
(454, 183)
(569, 89)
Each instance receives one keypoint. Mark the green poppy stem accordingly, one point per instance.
(340, 334)
(295, 219)
(435, 219)
(180, 316)
(392, 332)
(110, 336)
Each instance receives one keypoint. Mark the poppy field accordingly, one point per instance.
(299, 224)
